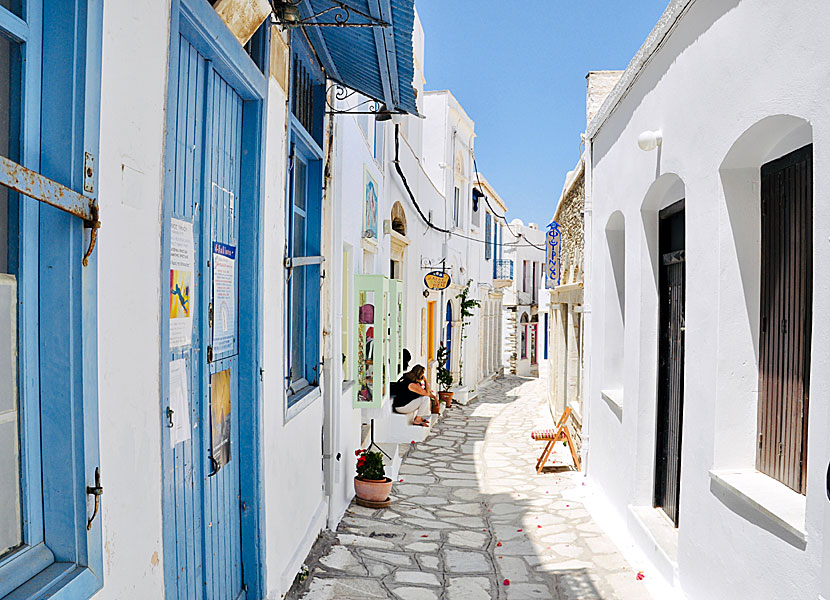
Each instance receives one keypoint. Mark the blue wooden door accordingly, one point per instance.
(205, 490)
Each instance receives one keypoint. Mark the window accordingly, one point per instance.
(523, 340)
(786, 317)
(535, 285)
(488, 247)
(456, 207)
(524, 275)
(478, 198)
(49, 415)
(304, 223)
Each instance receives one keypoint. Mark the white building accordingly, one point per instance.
(706, 266)
(162, 408)
(525, 318)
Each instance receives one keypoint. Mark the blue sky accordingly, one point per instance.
(518, 69)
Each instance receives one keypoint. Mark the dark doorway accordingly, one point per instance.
(672, 293)
(786, 317)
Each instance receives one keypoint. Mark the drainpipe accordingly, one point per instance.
(587, 258)
(332, 368)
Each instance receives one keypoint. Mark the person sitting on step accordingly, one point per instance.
(411, 393)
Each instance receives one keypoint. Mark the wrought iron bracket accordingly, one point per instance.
(341, 92)
(340, 13)
(34, 185)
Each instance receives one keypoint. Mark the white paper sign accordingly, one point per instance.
(182, 289)
(179, 402)
(224, 297)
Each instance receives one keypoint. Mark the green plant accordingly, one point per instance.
(468, 306)
(369, 465)
(443, 374)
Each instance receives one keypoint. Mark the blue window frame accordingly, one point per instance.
(49, 126)
(304, 223)
(488, 247)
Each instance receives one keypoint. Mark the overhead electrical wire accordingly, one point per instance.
(431, 225)
(497, 215)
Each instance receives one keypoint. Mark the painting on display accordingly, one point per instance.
(370, 205)
(553, 263)
(220, 417)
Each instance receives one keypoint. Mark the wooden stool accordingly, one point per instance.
(551, 436)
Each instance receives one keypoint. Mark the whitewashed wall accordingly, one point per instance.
(735, 85)
(130, 163)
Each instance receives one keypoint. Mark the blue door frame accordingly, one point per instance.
(196, 22)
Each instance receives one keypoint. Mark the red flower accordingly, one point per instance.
(640, 575)
(506, 582)
(357, 452)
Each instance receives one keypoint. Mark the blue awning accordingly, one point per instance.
(375, 61)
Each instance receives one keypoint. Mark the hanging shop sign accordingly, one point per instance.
(437, 280)
(553, 247)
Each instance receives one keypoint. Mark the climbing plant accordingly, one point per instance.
(468, 306)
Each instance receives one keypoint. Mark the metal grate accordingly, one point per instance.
(303, 102)
(504, 268)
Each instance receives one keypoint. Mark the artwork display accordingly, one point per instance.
(377, 338)
(365, 346)
(220, 417)
(370, 205)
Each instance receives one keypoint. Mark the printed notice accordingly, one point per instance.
(224, 298)
(181, 283)
(179, 402)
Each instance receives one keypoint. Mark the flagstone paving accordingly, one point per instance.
(470, 512)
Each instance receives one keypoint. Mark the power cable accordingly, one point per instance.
(497, 215)
(430, 223)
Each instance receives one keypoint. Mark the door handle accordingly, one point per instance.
(95, 492)
(170, 417)
(214, 466)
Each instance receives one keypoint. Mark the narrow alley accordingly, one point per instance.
(470, 519)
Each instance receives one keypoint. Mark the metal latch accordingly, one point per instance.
(96, 492)
(34, 185)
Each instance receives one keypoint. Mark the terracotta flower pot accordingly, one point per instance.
(435, 407)
(446, 398)
(375, 490)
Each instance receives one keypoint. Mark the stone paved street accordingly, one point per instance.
(470, 512)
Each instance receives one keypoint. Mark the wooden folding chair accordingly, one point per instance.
(551, 436)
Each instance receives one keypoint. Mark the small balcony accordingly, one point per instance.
(502, 273)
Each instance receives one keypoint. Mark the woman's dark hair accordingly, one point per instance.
(415, 374)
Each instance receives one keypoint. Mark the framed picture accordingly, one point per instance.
(370, 205)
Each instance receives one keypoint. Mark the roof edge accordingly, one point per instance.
(662, 30)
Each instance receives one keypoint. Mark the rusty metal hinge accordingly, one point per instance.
(34, 185)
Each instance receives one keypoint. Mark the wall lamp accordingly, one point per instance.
(649, 140)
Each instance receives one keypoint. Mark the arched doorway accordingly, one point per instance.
(523, 337)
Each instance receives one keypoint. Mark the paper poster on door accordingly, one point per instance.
(220, 417)
(179, 417)
(181, 283)
(224, 298)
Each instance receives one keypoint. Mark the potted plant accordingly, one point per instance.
(444, 376)
(371, 483)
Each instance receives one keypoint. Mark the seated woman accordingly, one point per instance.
(412, 394)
